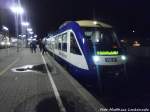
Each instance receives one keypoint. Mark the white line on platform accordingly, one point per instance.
(59, 101)
(8, 67)
(95, 104)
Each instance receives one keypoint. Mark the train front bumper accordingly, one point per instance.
(112, 71)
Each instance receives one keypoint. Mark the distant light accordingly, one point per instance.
(29, 29)
(97, 40)
(5, 28)
(29, 39)
(96, 58)
(2, 43)
(122, 40)
(95, 22)
(133, 31)
(34, 39)
(35, 36)
(123, 57)
(23, 35)
(59, 39)
(25, 23)
(17, 9)
(136, 44)
(8, 43)
(31, 33)
(13, 40)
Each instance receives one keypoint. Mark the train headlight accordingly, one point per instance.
(123, 57)
(95, 58)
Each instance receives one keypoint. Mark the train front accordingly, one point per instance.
(107, 56)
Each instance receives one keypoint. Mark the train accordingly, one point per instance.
(89, 49)
(4, 41)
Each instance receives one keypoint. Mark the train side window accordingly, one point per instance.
(64, 42)
(59, 42)
(53, 43)
(73, 45)
(56, 42)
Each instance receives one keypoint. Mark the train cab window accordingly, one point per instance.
(73, 45)
(59, 42)
(64, 42)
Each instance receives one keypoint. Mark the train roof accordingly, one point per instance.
(88, 23)
(92, 23)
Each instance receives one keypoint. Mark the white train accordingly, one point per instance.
(89, 49)
(4, 41)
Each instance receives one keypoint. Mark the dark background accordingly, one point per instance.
(47, 15)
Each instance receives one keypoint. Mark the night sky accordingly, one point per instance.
(124, 15)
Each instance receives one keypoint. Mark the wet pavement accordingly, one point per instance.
(31, 68)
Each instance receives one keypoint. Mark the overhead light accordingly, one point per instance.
(17, 9)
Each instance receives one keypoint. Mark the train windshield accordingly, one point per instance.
(101, 39)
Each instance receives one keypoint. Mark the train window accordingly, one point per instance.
(53, 43)
(64, 42)
(59, 42)
(101, 38)
(73, 45)
(56, 42)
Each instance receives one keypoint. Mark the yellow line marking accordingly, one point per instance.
(8, 67)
